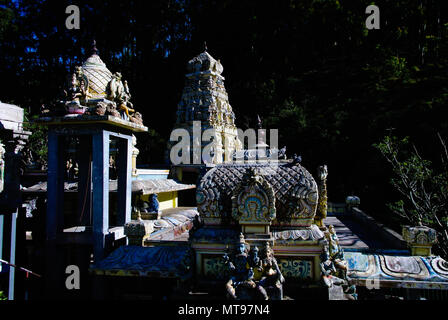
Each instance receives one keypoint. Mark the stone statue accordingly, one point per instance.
(241, 274)
(119, 92)
(282, 153)
(153, 203)
(271, 282)
(252, 277)
(336, 252)
(137, 118)
(77, 89)
(112, 110)
(322, 206)
(328, 270)
(334, 267)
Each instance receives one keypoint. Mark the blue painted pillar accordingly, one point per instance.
(100, 175)
(85, 181)
(55, 213)
(12, 256)
(55, 187)
(124, 192)
(2, 221)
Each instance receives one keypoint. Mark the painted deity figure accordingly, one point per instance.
(328, 270)
(252, 276)
(334, 272)
(269, 278)
(119, 92)
(241, 279)
(336, 252)
(322, 206)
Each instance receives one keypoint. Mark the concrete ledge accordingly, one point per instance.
(384, 233)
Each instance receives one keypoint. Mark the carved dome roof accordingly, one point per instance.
(204, 62)
(295, 191)
(97, 74)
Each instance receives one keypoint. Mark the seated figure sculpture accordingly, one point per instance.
(271, 281)
(329, 271)
(334, 267)
(241, 274)
(252, 277)
(336, 253)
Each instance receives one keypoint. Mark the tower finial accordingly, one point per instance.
(94, 49)
(205, 45)
(259, 122)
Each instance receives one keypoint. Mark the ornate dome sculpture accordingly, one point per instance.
(97, 74)
(294, 188)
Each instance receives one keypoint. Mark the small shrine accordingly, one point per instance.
(94, 112)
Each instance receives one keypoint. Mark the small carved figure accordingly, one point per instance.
(282, 153)
(334, 271)
(272, 279)
(322, 206)
(118, 92)
(100, 109)
(112, 110)
(73, 92)
(153, 203)
(252, 277)
(77, 89)
(241, 279)
(296, 159)
(336, 252)
(329, 271)
(137, 118)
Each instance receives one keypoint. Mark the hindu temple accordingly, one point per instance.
(247, 230)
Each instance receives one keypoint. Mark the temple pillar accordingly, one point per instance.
(125, 169)
(100, 173)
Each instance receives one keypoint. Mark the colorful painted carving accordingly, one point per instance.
(397, 271)
(294, 188)
(334, 273)
(420, 239)
(253, 201)
(322, 207)
(93, 90)
(253, 276)
(204, 98)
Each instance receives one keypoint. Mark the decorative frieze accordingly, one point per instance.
(420, 239)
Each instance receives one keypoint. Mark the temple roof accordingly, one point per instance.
(160, 261)
(397, 271)
(138, 186)
(204, 62)
(294, 188)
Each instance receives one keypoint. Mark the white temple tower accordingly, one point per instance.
(204, 99)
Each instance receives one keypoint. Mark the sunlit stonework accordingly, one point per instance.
(92, 90)
(204, 98)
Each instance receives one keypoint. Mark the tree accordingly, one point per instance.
(423, 186)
